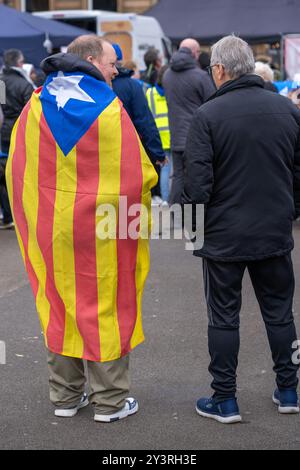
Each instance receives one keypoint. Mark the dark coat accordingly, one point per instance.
(18, 92)
(186, 87)
(243, 163)
(133, 98)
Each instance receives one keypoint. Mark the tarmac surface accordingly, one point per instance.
(169, 371)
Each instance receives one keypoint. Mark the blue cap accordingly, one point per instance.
(118, 51)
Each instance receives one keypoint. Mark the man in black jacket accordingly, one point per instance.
(243, 164)
(18, 91)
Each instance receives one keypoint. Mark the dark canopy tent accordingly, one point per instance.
(208, 20)
(28, 33)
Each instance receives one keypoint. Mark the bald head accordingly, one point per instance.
(86, 45)
(192, 45)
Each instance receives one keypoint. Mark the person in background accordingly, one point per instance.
(204, 61)
(18, 92)
(131, 65)
(266, 73)
(133, 98)
(158, 105)
(153, 62)
(186, 88)
(294, 90)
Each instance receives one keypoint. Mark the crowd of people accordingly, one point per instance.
(173, 92)
(234, 145)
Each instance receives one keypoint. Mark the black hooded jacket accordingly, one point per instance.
(243, 163)
(186, 87)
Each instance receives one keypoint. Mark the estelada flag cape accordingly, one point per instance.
(73, 149)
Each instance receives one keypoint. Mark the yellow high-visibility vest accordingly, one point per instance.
(159, 108)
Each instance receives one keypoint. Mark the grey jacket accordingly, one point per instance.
(187, 87)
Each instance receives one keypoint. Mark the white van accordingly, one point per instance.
(134, 33)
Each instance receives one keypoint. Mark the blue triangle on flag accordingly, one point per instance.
(71, 102)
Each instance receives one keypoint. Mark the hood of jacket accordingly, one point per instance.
(66, 62)
(182, 60)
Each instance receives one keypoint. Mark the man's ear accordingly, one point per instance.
(222, 73)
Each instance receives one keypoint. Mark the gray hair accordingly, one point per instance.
(264, 71)
(235, 54)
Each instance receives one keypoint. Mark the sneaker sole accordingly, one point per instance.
(285, 410)
(220, 419)
(72, 412)
(2, 227)
(109, 419)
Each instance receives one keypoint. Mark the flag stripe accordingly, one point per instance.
(9, 183)
(107, 265)
(30, 205)
(143, 255)
(18, 171)
(85, 242)
(47, 197)
(63, 248)
(131, 186)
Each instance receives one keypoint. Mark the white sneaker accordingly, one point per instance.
(8, 226)
(165, 204)
(131, 407)
(70, 412)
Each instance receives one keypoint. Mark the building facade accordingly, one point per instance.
(138, 6)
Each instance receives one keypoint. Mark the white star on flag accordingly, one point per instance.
(66, 87)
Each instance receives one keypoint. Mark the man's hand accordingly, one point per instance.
(162, 163)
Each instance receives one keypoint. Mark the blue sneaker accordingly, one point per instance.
(287, 401)
(226, 412)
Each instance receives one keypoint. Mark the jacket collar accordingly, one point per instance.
(182, 60)
(245, 81)
(66, 62)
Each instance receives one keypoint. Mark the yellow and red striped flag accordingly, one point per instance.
(88, 290)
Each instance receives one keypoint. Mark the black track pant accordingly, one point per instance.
(273, 282)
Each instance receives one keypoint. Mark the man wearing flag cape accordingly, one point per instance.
(73, 151)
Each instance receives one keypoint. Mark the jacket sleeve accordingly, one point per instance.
(145, 125)
(199, 176)
(297, 178)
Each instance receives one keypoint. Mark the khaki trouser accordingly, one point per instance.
(108, 382)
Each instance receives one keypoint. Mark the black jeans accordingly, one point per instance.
(4, 202)
(273, 282)
(178, 177)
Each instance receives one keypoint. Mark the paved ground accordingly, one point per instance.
(169, 372)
